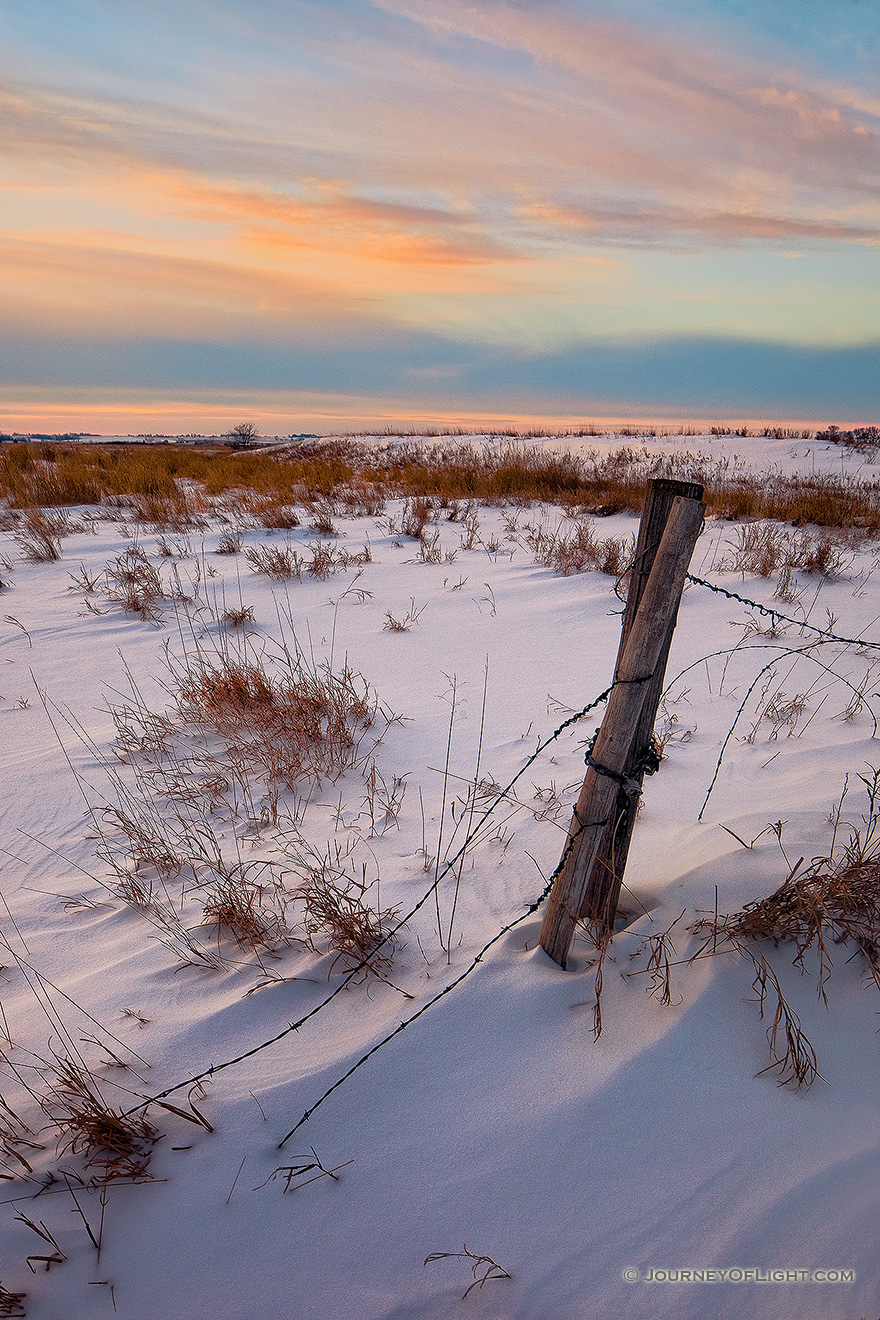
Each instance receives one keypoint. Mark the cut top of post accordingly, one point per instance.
(655, 514)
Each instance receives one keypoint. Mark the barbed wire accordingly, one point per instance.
(209, 1072)
(826, 636)
(802, 652)
(478, 958)
(777, 616)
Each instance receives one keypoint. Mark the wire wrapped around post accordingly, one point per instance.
(582, 884)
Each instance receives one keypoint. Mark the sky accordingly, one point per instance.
(332, 213)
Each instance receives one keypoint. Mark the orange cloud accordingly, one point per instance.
(463, 178)
(338, 221)
(98, 283)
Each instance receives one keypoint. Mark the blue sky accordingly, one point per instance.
(433, 208)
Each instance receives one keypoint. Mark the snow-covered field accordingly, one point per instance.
(496, 1120)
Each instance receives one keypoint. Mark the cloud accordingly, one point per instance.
(653, 227)
(333, 218)
(685, 376)
(96, 281)
(641, 108)
(486, 109)
(344, 171)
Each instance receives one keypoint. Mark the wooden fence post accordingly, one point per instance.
(636, 669)
(601, 899)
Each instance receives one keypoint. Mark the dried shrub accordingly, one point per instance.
(120, 1144)
(836, 900)
(336, 915)
(293, 721)
(40, 537)
(277, 562)
(237, 617)
(580, 551)
(135, 583)
(236, 904)
(865, 439)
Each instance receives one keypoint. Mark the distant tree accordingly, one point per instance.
(244, 435)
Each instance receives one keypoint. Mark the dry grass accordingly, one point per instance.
(580, 550)
(92, 1128)
(229, 543)
(490, 1268)
(294, 1175)
(148, 844)
(280, 563)
(324, 561)
(292, 720)
(417, 512)
(236, 905)
(765, 549)
(135, 583)
(413, 614)
(274, 514)
(40, 535)
(661, 958)
(181, 511)
(836, 900)
(792, 1057)
(12, 1304)
(383, 801)
(141, 731)
(355, 477)
(337, 918)
(327, 559)
(322, 518)
(238, 616)
(249, 729)
(832, 902)
(430, 550)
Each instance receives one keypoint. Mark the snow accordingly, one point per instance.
(496, 1120)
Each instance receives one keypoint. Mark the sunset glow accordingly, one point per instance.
(426, 208)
